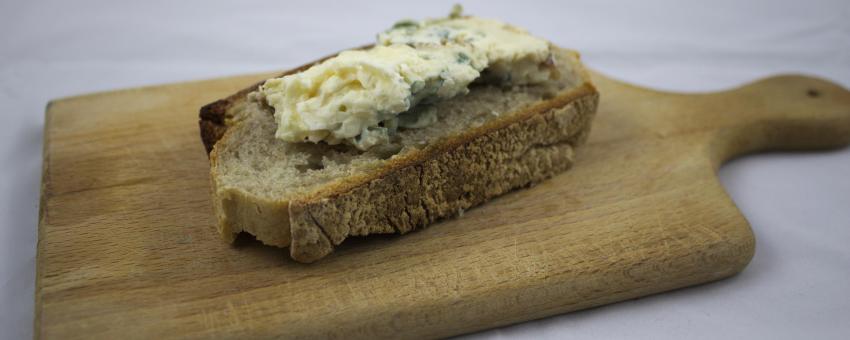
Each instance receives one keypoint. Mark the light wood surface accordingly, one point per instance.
(128, 248)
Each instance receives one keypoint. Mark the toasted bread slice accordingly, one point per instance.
(311, 197)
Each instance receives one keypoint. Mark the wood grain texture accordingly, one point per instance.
(128, 248)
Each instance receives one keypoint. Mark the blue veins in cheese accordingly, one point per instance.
(509, 54)
(361, 97)
(353, 93)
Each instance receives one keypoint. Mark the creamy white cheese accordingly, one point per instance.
(360, 97)
(508, 53)
(342, 97)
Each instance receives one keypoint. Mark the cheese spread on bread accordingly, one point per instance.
(360, 97)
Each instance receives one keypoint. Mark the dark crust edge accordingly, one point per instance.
(310, 241)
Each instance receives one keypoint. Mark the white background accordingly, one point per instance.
(797, 286)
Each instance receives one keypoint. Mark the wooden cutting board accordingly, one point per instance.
(127, 244)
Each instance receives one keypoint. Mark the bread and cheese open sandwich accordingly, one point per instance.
(437, 117)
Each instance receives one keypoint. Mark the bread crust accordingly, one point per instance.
(418, 188)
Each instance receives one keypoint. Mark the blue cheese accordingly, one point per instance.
(508, 53)
(355, 92)
(361, 97)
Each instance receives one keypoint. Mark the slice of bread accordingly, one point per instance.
(311, 197)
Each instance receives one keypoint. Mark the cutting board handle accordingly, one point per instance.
(789, 112)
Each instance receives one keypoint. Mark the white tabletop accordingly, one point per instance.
(797, 286)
